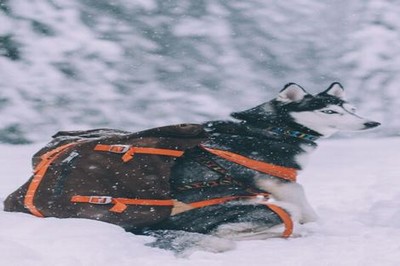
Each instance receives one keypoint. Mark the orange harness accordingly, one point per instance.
(120, 204)
(266, 168)
(38, 174)
(287, 173)
(129, 151)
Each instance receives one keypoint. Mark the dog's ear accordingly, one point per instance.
(291, 93)
(335, 89)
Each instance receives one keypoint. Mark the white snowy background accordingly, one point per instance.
(79, 64)
(138, 64)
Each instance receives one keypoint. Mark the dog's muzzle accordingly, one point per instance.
(371, 124)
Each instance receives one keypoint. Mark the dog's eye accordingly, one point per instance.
(329, 112)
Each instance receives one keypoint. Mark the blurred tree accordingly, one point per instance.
(136, 64)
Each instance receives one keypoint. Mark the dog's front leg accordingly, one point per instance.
(289, 192)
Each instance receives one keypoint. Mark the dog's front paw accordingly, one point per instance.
(308, 216)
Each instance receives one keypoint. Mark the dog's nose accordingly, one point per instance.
(371, 124)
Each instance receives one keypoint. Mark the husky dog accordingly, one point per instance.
(295, 110)
(188, 181)
(282, 132)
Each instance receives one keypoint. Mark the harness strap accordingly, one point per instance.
(129, 151)
(39, 172)
(287, 173)
(120, 205)
(285, 217)
(226, 178)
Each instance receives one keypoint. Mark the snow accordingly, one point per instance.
(353, 185)
(87, 63)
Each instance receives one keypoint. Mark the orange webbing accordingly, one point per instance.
(120, 204)
(205, 203)
(39, 172)
(128, 155)
(267, 168)
(285, 217)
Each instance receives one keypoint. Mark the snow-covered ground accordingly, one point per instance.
(353, 184)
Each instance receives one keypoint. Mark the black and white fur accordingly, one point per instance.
(253, 134)
(322, 115)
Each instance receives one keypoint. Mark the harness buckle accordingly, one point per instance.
(100, 199)
(119, 148)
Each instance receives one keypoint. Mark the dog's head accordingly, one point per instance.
(324, 113)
